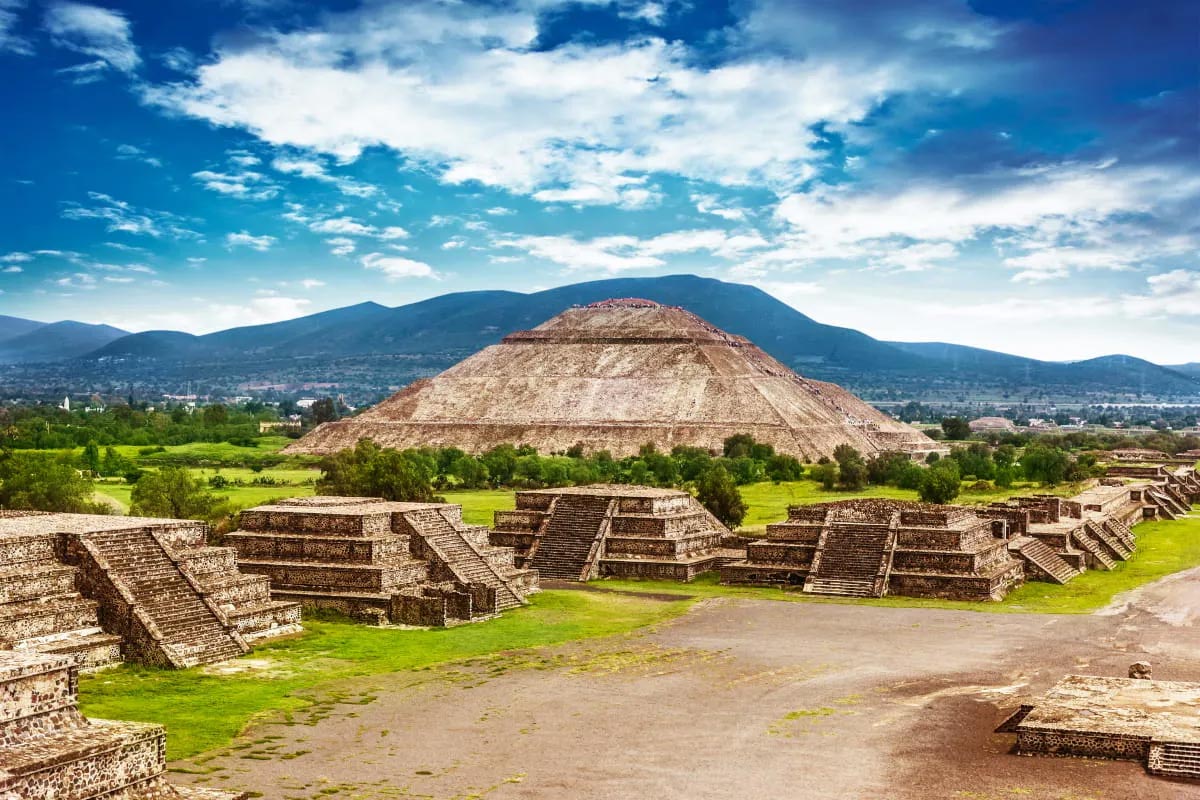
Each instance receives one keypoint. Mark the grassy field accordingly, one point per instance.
(288, 675)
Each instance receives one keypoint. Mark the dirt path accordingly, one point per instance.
(738, 699)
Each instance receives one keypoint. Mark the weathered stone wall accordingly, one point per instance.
(1083, 744)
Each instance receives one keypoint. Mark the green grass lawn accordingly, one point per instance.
(479, 504)
(203, 711)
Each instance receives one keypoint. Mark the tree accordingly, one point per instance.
(371, 471)
(782, 467)
(956, 428)
(826, 473)
(738, 445)
(1046, 464)
(324, 410)
(718, 492)
(215, 415)
(941, 483)
(45, 482)
(91, 458)
(173, 492)
(852, 470)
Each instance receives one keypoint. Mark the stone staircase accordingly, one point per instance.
(1175, 759)
(1122, 532)
(184, 628)
(1115, 546)
(1044, 558)
(566, 549)
(849, 559)
(1168, 506)
(1095, 549)
(465, 560)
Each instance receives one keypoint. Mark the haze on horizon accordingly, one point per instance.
(1020, 176)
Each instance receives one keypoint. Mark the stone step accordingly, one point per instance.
(840, 587)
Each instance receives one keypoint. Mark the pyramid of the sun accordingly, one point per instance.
(613, 376)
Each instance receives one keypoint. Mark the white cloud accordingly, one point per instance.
(16, 258)
(499, 211)
(80, 280)
(127, 218)
(311, 283)
(342, 225)
(244, 185)
(244, 239)
(397, 267)
(341, 245)
(243, 158)
(459, 90)
(916, 257)
(622, 253)
(10, 41)
(12, 270)
(128, 152)
(453, 244)
(93, 31)
(315, 170)
(711, 204)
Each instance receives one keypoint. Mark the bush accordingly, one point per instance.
(718, 492)
(941, 482)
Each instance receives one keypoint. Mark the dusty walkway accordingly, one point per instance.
(738, 699)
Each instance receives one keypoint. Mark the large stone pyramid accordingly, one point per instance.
(613, 376)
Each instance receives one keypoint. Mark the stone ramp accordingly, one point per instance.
(1112, 543)
(49, 751)
(566, 550)
(168, 619)
(1043, 558)
(464, 559)
(850, 557)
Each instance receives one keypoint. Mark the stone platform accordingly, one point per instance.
(380, 561)
(869, 548)
(581, 532)
(49, 751)
(1154, 722)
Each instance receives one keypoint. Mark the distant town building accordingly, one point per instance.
(992, 424)
(279, 425)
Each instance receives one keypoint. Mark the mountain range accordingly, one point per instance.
(386, 346)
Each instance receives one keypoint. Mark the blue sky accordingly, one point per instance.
(1023, 176)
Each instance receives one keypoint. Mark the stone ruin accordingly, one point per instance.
(407, 563)
(49, 751)
(1156, 723)
(102, 588)
(582, 532)
(869, 548)
(1168, 491)
(613, 376)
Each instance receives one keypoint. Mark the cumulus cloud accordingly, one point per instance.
(129, 152)
(101, 33)
(398, 267)
(244, 239)
(459, 90)
(341, 245)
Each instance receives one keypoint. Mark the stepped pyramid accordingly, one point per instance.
(613, 376)
(49, 751)
(412, 563)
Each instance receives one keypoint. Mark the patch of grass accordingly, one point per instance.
(479, 505)
(1164, 547)
(203, 711)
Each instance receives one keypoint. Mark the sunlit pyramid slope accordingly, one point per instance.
(613, 376)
